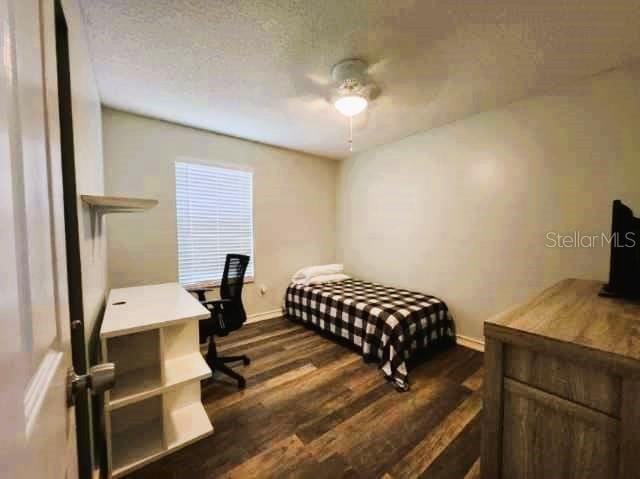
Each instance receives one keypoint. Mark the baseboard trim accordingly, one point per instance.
(471, 343)
(257, 317)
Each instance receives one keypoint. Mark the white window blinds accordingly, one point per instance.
(215, 216)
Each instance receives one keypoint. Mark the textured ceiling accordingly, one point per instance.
(260, 69)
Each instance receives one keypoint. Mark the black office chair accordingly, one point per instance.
(227, 315)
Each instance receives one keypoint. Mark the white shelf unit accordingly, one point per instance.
(155, 408)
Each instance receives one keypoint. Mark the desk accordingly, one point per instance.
(155, 408)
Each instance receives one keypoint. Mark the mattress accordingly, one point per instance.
(388, 325)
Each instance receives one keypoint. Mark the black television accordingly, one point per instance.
(624, 268)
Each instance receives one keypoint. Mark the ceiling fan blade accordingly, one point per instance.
(370, 91)
(309, 85)
(319, 80)
(378, 67)
(308, 102)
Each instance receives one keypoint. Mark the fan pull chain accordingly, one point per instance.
(351, 134)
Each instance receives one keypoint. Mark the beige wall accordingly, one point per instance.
(462, 211)
(87, 124)
(87, 129)
(294, 203)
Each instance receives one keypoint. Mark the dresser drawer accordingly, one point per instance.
(594, 388)
(545, 437)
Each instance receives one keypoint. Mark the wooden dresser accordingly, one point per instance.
(562, 387)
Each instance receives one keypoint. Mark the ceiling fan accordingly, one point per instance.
(353, 91)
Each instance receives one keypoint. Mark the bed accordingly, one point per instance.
(385, 324)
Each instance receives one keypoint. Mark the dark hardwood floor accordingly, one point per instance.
(312, 408)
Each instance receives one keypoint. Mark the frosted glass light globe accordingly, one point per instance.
(351, 105)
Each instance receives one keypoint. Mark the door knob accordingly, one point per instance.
(99, 379)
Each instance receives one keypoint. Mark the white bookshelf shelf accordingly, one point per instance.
(155, 408)
(186, 368)
(188, 424)
(140, 384)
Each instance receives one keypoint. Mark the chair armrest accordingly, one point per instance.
(215, 323)
(215, 302)
(215, 305)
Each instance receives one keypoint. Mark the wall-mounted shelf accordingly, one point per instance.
(118, 204)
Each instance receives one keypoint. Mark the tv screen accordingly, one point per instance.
(624, 267)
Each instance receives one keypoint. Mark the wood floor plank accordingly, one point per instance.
(254, 334)
(283, 456)
(280, 336)
(263, 364)
(306, 338)
(436, 440)
(475, 381)
(368, 431)
(262, 387)
(459, 456)
(273, 462)
(314, 409)
(349, 407)
(254, 329)
(293, 390)
(466, 368)
(442, 365)
(335, 467)
(273, 323)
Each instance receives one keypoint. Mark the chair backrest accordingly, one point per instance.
(235, 267)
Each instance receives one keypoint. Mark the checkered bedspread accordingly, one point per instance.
(387, 324)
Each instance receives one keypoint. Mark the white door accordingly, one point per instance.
(37, 432)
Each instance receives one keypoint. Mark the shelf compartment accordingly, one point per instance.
(139, 368)
(140, 384)
(185, 418)
(136, 385)
(186, 368)
(180, 370)
(137, 435)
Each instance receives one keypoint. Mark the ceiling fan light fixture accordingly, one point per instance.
(351, 105)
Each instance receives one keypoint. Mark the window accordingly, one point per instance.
(215, 216)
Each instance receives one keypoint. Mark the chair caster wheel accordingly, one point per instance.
(242, 383)
(246, 361)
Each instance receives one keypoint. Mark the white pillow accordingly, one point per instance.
(309, 272)
(327, 278)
